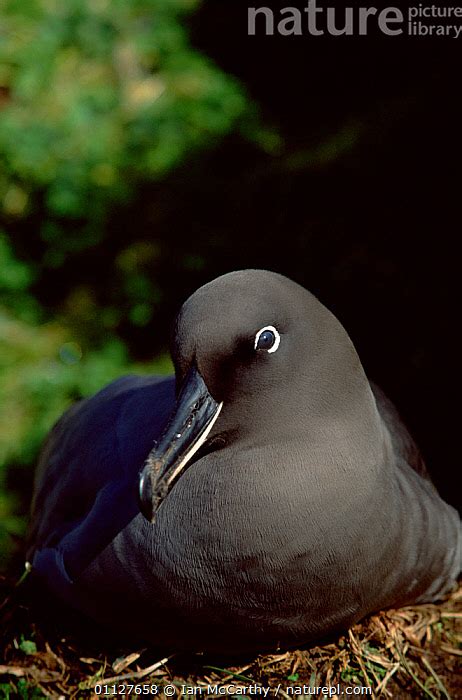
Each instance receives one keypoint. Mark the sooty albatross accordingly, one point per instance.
(281, 497)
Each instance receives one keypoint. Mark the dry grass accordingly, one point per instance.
(413, 652)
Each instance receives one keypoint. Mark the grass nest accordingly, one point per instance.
(411, 652)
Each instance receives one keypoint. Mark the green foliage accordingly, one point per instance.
(26, 691)
(28, 647)
(15, 280)
(99, 96)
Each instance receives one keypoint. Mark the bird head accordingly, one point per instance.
(256, 357)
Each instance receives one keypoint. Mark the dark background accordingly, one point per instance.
(374, 233)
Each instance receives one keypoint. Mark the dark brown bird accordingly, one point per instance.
(282, 497)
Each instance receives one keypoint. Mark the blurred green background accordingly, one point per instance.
(146, 147)
(96, 98)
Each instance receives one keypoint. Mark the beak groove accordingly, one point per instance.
(188, 428)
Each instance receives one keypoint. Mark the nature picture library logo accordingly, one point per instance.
(317, 20)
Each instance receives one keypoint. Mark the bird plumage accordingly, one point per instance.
(308, 507)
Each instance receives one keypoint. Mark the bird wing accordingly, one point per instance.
(85, 486)
(403, 443)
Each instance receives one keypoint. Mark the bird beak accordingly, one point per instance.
(189, 425)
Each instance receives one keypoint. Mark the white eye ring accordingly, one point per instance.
(276, 336)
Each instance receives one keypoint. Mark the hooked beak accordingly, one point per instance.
(189, 425)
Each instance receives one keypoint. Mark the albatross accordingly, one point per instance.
(265, 496)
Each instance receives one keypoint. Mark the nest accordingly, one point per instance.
(411, 652)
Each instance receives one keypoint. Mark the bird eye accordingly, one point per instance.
(267, 339)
